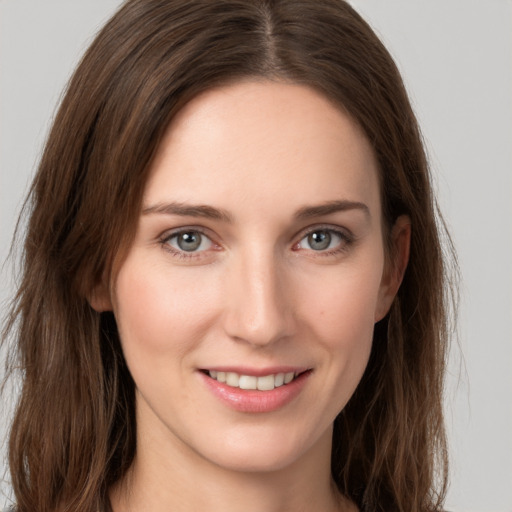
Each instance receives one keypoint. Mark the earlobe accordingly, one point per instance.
(99, 298)
(395, 267)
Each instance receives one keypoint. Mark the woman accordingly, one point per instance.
(233, 279)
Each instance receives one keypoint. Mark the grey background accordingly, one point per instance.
(456, 56)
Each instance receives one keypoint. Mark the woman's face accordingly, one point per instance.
(258, 259)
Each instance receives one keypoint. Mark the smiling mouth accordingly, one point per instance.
(251, 382)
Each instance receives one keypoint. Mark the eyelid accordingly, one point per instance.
(342, 231)
(167, 235)
(345, 234)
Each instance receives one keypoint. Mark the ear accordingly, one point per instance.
(99, 297)
(395, 266)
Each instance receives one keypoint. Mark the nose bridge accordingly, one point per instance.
(259, 310)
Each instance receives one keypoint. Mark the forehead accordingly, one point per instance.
(260, 143)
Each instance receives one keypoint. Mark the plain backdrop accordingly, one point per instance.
(456, 58)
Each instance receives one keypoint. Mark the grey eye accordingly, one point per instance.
(319, 240)
(190, 241)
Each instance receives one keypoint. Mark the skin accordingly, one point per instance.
(255, 294)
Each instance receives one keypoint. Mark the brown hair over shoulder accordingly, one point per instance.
(74, 429)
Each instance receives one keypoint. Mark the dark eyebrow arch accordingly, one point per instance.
(209, 212)
(308, 212)
(200, 210)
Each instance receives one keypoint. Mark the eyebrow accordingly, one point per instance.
(189, 210)
(210, 212)
(307, 212)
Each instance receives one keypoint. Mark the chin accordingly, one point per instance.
(250, 462)
(267, 452)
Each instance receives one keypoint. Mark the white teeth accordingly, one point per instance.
(232, 379)
(264, 383)
(247, 382)
(288, 377)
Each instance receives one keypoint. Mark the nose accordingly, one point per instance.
(259, 300)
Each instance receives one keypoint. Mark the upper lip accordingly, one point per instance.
(258, 372)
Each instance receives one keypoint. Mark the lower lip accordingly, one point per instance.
(249, 400)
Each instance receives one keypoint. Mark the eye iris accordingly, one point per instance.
(189, 241)
(319, 240)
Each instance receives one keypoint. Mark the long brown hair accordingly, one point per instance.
(74, 431)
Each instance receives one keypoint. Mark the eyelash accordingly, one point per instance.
(184, 255)
(346, 240)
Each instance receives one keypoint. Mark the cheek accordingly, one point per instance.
(159, 311)
(343, 307)
(340, 316)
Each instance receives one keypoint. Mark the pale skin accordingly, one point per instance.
(260, 244)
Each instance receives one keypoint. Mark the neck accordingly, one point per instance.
(272, 492)
(170, 477)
